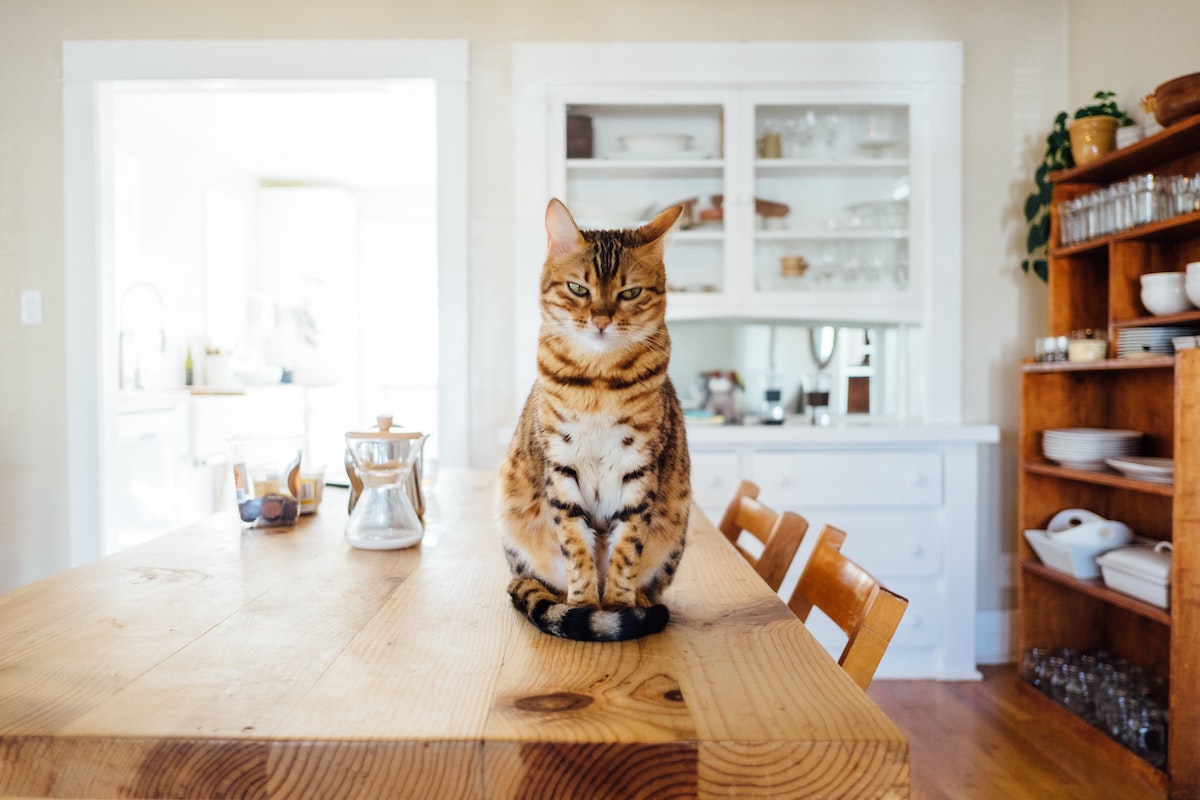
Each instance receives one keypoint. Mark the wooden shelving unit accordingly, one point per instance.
(1095, 284)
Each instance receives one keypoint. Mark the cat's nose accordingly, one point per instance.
(601, 322)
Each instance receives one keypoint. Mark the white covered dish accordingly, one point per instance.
(1143, 572)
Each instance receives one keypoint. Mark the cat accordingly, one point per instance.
(595, 488)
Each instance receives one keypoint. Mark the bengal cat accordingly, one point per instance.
(594, 490)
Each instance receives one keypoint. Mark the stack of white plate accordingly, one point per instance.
(1186, 342)
(1155, 470)
(1151, 341)
(1087, 448)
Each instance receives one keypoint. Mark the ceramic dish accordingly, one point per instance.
(1155, 470)
(1086, 448)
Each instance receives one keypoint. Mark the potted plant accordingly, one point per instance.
(1059, 155)
(1094, 131)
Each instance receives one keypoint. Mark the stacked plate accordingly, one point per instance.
(1087, 448)
(1155, 470)
(1186, 342)
(1150, 341)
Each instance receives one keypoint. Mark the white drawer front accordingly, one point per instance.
(906, 542)
(901, 554)
(813, 479)
(921, 624)
(919, 627)
(715, 476)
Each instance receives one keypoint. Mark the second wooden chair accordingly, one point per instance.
(866, 611)
(780, 534)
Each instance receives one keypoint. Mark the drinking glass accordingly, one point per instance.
(1147, 733)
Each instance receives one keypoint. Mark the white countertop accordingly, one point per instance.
(797, 430)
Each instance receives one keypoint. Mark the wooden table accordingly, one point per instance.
(213, 662)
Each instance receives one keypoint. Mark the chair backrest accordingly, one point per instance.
(866, 611)
(780, 534)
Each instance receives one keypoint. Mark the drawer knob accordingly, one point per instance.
(916, 550)
(918, 479)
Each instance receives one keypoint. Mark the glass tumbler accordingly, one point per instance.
(1147, 733)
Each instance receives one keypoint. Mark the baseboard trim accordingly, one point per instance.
(995, 637)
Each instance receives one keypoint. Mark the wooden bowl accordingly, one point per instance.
(1177, 98)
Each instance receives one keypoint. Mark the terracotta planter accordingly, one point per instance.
(1092, 137)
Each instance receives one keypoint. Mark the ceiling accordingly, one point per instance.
(374, 134)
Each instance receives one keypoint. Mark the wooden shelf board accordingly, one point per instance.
(1182, 226)
(1141, 156)
(1096, 588)
(1113, 479)
(1151, 776)
(1182, 318)
(1108, 364)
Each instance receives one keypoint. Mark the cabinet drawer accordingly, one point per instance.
(896, 543)
(715, 476)
(896, 554)
(811, 479)
(921, 625)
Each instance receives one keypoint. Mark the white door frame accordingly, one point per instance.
(88, 67)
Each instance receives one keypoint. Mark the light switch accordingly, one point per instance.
(31, 306)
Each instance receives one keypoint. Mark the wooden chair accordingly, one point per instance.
(780, 534)
(865, 610)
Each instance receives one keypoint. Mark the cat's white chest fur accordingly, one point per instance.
(600, 452)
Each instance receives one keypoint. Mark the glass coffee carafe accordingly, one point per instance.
(384, 517)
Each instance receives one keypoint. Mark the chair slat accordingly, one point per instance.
(780, 534)
(866, 611)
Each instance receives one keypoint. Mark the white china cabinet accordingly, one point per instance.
(822, 187)
(815, 176)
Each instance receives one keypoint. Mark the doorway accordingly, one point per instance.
(203, 298)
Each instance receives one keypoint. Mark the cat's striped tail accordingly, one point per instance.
(545, 609)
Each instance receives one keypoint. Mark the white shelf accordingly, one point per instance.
(837, 235)
(889, 166)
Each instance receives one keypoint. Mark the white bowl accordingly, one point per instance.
(1164, 298)
(1193, 269)
(1192, 290)
(656, 143)
(1164, 279)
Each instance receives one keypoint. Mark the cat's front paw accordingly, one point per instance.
(591, 599)
(619, 599)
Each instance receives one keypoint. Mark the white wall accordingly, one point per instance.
(1017, 73)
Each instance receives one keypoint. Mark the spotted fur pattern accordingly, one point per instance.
(594, 491)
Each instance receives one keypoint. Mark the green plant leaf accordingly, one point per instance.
(1033, 206)
(1039, 235)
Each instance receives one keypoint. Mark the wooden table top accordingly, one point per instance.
(216, 662)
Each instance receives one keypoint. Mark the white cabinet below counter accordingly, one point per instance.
(908, 498)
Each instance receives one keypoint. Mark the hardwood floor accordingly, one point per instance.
(978, 740)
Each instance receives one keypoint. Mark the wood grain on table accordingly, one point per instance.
(217, 662)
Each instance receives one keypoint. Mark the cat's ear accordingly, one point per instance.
(561, 229)
(654, 232)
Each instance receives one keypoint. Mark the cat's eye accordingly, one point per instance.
(577, 290)
(629, 294)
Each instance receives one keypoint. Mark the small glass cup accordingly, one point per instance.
(1032, 663)
(1146, 733)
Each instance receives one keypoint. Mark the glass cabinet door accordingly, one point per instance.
(628, 159)
(831, 191)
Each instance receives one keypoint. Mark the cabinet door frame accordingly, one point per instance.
(929, 74)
